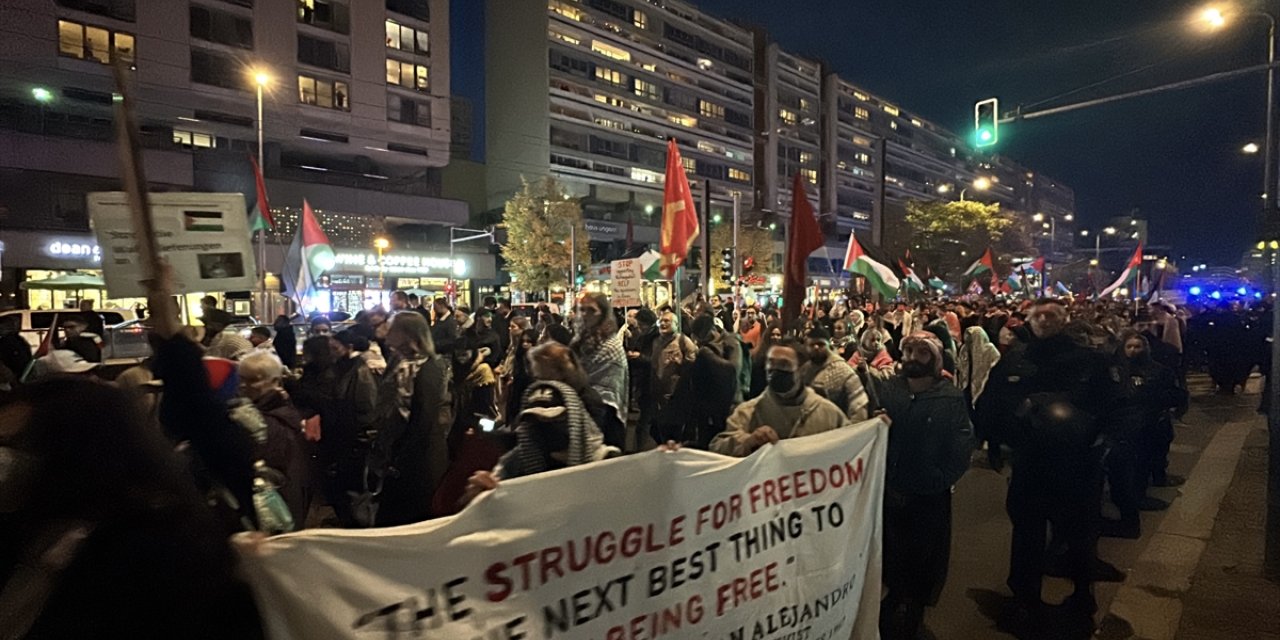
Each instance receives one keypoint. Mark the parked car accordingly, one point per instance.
(123, 339)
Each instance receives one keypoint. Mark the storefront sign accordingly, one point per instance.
(394, 263)
(783, 545)
(87, 251)
(345, 280)
(601, 230)
(203, 236)
(627, 276)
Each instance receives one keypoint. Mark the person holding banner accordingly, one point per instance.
(787, 409)
(929, 447)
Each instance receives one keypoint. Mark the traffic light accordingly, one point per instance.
(580, 278)
(986, 123)
(726, 261)
(748, 263)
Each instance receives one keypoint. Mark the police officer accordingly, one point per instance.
(1052, 399)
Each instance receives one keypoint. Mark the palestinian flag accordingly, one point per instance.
(1014, 282)
(1130, 273)
(309, 255)
(880, 276)
(202, 221)
(261, 219)
(910, 278)
(937, 283)
(984, 264)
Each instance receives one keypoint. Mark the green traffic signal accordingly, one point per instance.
(986, 122)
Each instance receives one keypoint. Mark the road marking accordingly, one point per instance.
(1150, 598)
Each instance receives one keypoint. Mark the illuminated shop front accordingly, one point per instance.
(34, 256)
(361, 279)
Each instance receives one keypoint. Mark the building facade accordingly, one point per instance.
(356, 111)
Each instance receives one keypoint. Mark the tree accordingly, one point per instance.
(538, 218)
(950, 235)
(752, 241)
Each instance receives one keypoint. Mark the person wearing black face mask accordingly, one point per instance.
(787, 408)
(929, 447)
(553, 431)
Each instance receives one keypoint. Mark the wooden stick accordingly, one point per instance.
(157, 275)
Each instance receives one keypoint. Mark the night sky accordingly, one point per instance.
(1175, 156)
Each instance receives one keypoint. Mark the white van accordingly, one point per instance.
(33, 325)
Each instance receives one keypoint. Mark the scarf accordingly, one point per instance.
(406, 372)
(586, 443)
(977, 358)
(605, 363)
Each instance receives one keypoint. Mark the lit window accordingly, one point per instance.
(739, 175)
(323, 93)
(193, 140)
(690, 165)
(710, 109)
(610, 76)
(890, 109)
(788, 116)
(893, 124)
(408, 75)
(610, 100)
(861, 96)
(639, 19)
(684, 121)
(810, 174)
(861, 141)
(917, 122)
(566, 38)
(85, 42)
(806, 157)
(646, 89)
(565, 9)
(861, 113)
(805, 104)
(863, 158)
(649, 67)
(610, 51)
(407, 38)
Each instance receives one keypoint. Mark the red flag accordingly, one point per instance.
(804, 237)
(679, 219)
(46, 344)
(1038, 265)
(263, 207)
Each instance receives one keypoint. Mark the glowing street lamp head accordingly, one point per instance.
(943, 188)
(1109, 231)
(982, 184)
(1213, 18)
(42, 95)
(1038, 217)
(1068, 217)
(1250, 148)
(261, 78)
(381, 243)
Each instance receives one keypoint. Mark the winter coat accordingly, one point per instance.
(931, 437)
(670, 356)
(836, 381)
(811, 414)
(286, 451)
(412, 452)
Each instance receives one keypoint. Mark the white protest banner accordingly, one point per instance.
(782, 545)
(627, 275)
(204, 236)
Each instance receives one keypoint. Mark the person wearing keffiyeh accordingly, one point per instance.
(553, 431)
(603, 358)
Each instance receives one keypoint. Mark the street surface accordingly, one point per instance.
(1192, 575)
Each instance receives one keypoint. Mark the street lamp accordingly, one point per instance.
(42, 95)
(1250, 148)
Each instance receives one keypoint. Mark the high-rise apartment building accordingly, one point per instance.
(589, 92)
(355, 116)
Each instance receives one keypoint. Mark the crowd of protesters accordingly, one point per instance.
(410, 412)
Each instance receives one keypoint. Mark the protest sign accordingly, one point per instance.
(626, 275)
(203, 236)
(782, 545)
